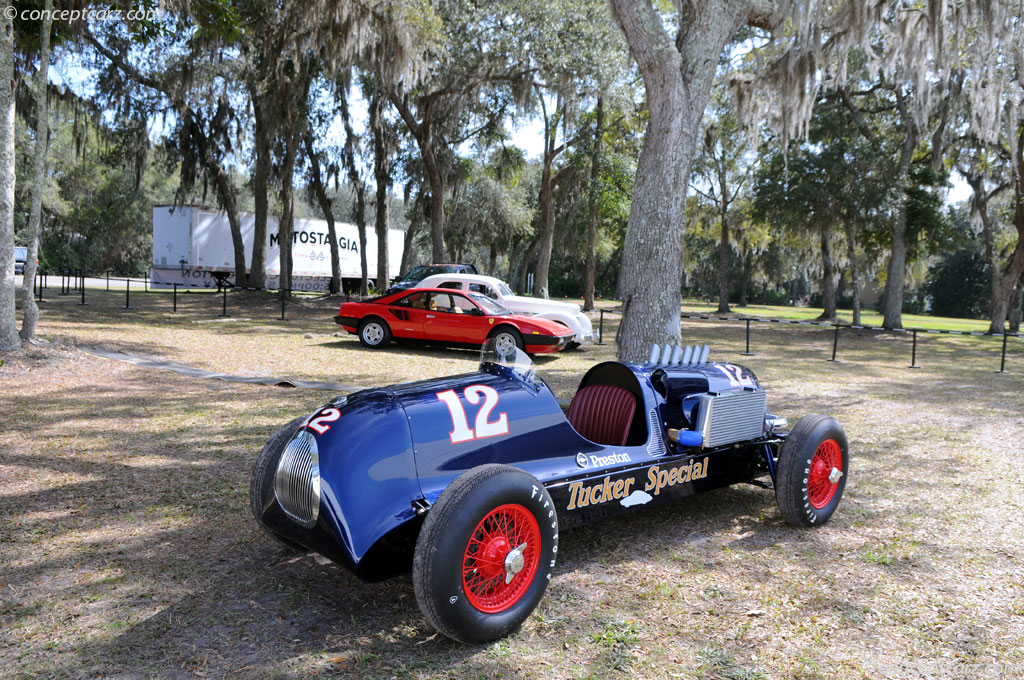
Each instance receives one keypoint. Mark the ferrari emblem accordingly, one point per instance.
(492, 321)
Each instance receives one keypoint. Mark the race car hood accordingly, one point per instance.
(367, 473)
(451, 433)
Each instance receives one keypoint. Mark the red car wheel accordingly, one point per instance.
(485, 553)
(812, 470)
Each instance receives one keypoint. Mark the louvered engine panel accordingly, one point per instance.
(732, 417)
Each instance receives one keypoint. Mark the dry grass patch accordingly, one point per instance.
(127, 549)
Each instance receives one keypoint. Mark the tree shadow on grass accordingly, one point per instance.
(155, 566)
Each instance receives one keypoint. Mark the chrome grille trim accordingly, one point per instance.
(297, 480)
(657, 445)
(732, 417)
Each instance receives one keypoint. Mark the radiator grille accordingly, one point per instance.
(733, 417)
(297, 481)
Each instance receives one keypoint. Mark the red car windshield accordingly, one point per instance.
(491, 307)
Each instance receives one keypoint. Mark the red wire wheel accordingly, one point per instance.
(820, 489)
(504, 529)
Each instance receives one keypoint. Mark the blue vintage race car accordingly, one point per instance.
(468, 479)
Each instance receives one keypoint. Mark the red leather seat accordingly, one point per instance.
(603, 413)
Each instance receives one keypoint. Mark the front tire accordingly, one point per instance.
(485, 554)
(261, 484)
(506, 340)
(812, 470)
(374, 333)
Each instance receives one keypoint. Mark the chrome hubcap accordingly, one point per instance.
(373, 333)
(514, 563)
(504, 344)
(835, 475)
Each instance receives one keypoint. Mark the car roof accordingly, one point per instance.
(410, 291)
(469, 278)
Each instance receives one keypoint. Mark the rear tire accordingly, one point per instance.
(374, 333)
(807, 486)
(261, 484)
(485, 554)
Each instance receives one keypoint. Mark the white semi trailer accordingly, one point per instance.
(192, 247)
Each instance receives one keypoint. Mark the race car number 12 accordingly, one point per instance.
(483, 427)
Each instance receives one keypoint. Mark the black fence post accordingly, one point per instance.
(175, 297)
(108, 279)
(39, 275)
(1002, 361)
(913, 351)
(83, 302)
(127, 293)
(63, 274)
(224, 295)
(748, 353)
(600, 329)
(835, 344)
(282, 305)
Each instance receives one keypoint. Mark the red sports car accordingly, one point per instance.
(449, 317)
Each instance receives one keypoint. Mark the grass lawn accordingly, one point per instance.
(127, 548)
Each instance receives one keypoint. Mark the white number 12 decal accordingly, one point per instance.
(461, 432)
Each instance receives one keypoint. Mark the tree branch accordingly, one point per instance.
(858, 117)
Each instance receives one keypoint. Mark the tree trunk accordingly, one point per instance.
(436, 204)
(678, 84)
(9, 339)
(590, 275)
(723, 256)
(828, 279)
(851, 253)
(1017, 307)
(29, 310)
(260, 193)
(327, 208)
(892, 304)
(229, 203)
(410, 233)
(1015, 267)
(547, 232)
(745, 279)
(286, 228)
(492, 260)
(997, 312)
(382, 174)
(525, 267)
(547, 215)
(359, 188)
(423, 134)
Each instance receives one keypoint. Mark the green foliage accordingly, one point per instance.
(958, 284)
(620, 149)
(97, 205)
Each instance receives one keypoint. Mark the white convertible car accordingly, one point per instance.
(564, 313)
